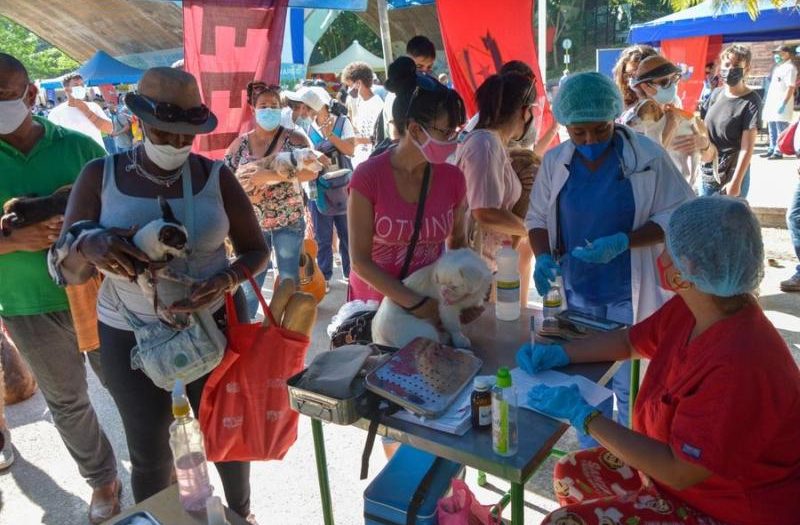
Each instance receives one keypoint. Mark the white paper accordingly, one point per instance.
(456, 420)
(593, 393)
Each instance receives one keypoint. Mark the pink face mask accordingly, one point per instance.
(437, 151)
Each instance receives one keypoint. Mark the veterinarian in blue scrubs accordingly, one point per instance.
(598, 210)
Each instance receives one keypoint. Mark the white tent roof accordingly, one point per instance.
(354, 53)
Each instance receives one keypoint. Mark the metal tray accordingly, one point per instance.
(424, 377)
(142, 515)
(324, 407)
(320, 406)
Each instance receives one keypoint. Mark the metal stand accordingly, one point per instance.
(517, 504)
(322, 470)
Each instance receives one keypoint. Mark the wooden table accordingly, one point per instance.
(166, 508)
(496, 343)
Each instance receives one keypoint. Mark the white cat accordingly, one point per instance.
(460, 279)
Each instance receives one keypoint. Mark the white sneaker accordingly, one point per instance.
(7, 452)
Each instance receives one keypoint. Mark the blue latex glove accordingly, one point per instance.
(538, 357)
(544, 272)
(561, 402)
(782, 108)
(603, 250)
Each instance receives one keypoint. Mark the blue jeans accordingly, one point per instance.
(793, 221)
(621, 382)
(708, 188)
(775, 129)
(286, 243)
(323, 234)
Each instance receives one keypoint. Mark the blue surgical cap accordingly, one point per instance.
(587, 97)
(716, 244)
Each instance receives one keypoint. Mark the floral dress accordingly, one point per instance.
(278, 205)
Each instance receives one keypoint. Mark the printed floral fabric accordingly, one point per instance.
(278, 205)
(594, 487)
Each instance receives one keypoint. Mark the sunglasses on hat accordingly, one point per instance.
(167, 112)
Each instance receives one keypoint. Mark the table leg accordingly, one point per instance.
(517, 504)
(322, 470)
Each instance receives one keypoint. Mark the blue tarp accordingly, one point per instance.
(732, 22)
(102, 68)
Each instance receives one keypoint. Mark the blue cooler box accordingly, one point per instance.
(388, 497)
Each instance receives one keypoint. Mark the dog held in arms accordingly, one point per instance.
(162, 240)
(459, 280)
(20, 212)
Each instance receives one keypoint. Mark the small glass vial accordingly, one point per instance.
(481, 403)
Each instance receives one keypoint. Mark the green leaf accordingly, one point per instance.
(41, 59)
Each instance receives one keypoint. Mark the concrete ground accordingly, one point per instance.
(43, 486)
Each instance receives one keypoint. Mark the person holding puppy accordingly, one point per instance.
(278, 198)
(659, 113)
(120, 192)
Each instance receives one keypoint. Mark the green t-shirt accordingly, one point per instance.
(56, 160)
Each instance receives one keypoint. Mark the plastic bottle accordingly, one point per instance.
(506, 281)
(504, 415)
(189, 453)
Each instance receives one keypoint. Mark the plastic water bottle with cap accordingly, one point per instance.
(553, 304)
(507, 283)
(188, 450)
(504, 415)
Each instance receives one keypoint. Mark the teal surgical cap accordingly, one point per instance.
(587, 97)
(716, 244)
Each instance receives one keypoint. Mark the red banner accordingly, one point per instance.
(478, 45)
(228, 43)
(691, 54)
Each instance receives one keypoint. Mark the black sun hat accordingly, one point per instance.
(169, 99)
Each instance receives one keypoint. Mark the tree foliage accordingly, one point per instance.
(40, 58)
(751, 5)
(346, 28)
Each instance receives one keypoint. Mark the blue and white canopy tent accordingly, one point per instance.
(732, 22)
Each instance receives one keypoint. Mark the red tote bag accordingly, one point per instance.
(786, 140)
(244, 408)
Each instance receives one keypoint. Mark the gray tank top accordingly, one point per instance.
(207, 255)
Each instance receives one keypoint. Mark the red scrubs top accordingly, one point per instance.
(729, 401)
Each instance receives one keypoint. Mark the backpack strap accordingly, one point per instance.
(422, 490)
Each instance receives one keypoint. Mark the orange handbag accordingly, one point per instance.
(244, 407)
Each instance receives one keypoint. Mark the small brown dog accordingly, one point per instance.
(24, 211)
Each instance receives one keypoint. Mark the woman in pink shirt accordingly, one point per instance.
(385, 192)
(505, 104)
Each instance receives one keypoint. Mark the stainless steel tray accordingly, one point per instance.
(425, 377)
(320, 406)
(324, 407)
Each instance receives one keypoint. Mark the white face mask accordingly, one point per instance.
(166, 157)
(79, 92)
(13, 114)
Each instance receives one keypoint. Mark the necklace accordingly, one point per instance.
(137, 166)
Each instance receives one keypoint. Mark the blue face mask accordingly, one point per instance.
(666, 95)
(593, 151)
(268, 118)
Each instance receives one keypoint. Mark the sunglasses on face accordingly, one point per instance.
(167, 112)
(666, 82)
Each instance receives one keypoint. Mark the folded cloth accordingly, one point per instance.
(333, 373)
